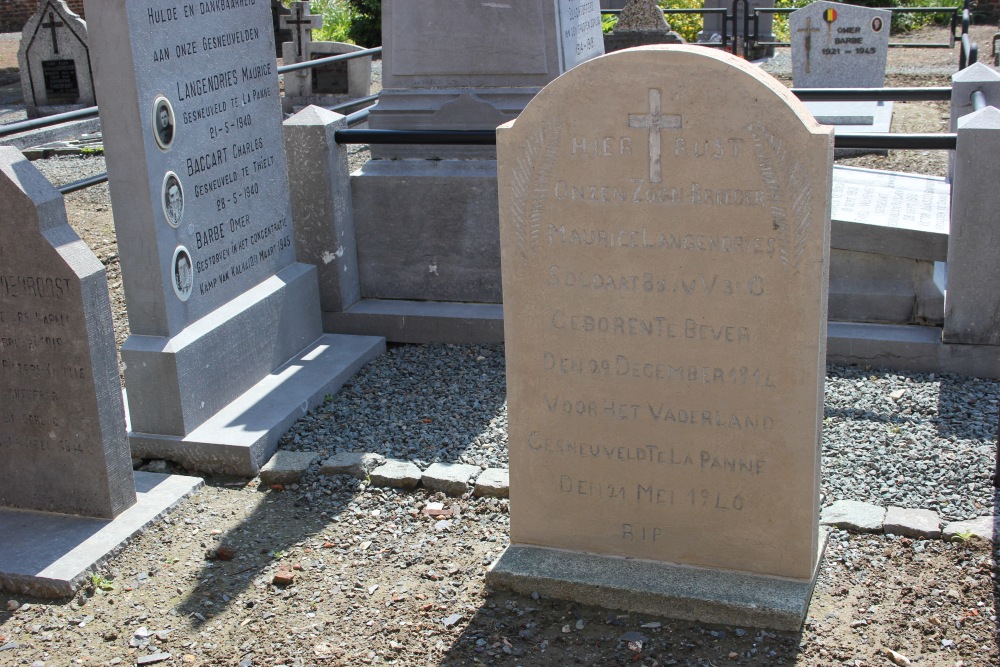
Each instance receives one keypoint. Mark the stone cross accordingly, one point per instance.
(52, 25)
(808, 30)
(304, 23)
(654, 121)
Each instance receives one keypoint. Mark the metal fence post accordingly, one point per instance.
(963, 85)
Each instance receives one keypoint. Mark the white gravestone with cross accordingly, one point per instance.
(54, 61)
(323, 85)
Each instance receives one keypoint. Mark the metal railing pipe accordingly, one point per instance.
(330, 59)
(917, 94)
(978, 100)
(82, 183)
(919, 142)
(36, 123)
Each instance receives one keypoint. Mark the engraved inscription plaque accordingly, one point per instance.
(664, 251)
(61, 84)
(330, 79)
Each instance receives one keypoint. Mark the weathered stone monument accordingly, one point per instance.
(63, 448)
(835, 45)
(425, 215)
(54, 61)
(323, 85)
(640, 23)
(225, 348)
(665, 256)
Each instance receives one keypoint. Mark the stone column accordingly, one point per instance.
(972, 301)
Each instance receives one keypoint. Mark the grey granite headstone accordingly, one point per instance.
(68, 496)
(54, 61)
(225, 348)
(839, 46)
(62, 436)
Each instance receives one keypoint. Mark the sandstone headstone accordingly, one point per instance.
(641, 22)
(836, 45)
(69, 497)
(54, 61)
(664, 253)
(62, 425)
(225, 345)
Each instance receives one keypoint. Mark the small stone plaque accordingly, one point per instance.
(61, 84)
(62, 424)
(581, 31)
(839, 46)
(895, 200)
(330, 79)
(665, 257)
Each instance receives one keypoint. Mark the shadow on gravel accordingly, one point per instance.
(513, 630)
(281, 520)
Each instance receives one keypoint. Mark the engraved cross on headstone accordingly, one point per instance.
(52, 25)
(654, 121)
(808, 30)
(304, 23)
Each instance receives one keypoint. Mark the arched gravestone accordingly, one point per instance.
(664, 247)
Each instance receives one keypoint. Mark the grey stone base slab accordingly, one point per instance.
(239, 438)
(50, 555)
(649, 587)
(910, 348)
(420, 321)
(493, 483)
(355, 464)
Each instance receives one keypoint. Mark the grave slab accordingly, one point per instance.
(50, 555)
(890, 213)
(54, 61)
(620, 220)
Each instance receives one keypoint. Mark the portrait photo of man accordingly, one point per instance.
(163, 122)
(173, 199)
(183, 275)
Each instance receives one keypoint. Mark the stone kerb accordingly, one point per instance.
(54, 61)
(654, 184)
